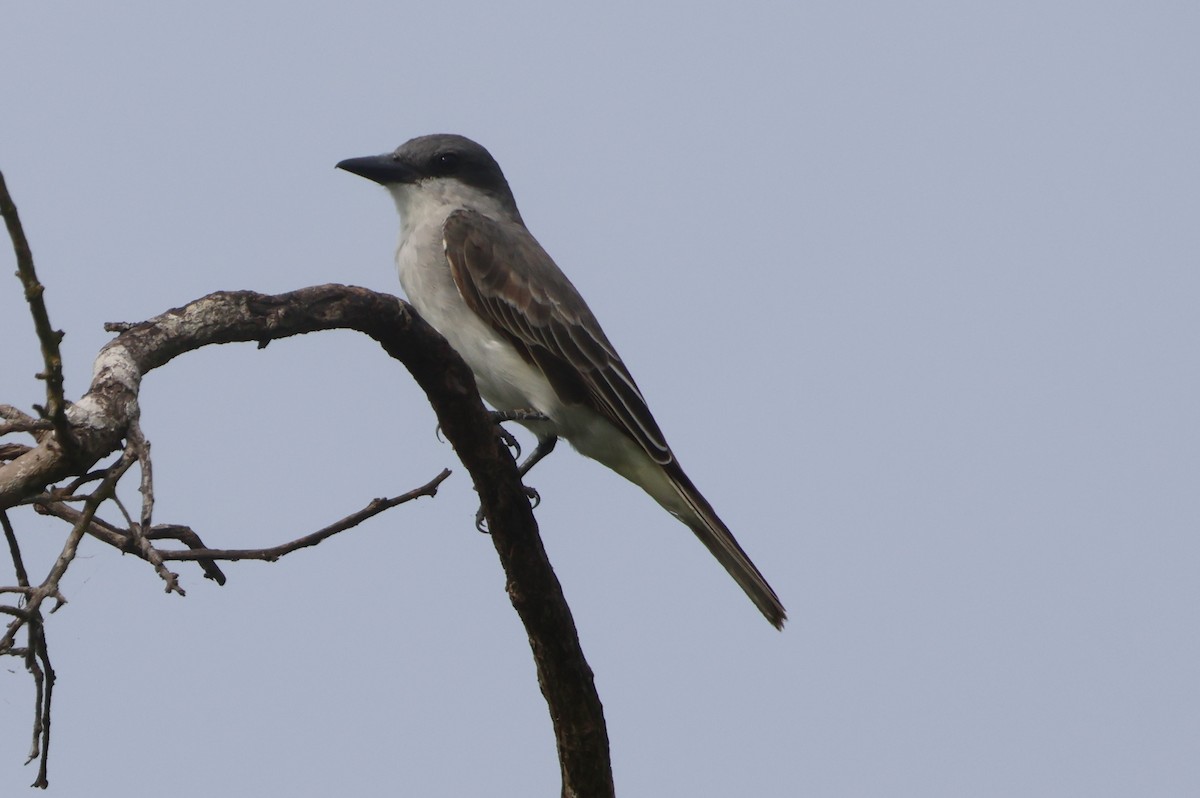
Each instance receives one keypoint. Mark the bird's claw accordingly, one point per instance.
(509, 440)
(498, 418)
(534, 497)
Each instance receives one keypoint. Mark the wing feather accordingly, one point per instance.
(506, 277)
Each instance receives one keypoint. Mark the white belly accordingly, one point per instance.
(505, 379)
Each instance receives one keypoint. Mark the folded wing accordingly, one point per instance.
(508, 279)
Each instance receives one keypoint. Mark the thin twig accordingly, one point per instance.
(272, 554)
(37, 662)
(129, 522)
(31, 664)
(146, 487)
(56, 406)
(187, 537)
(138, 443)
(119, 539)
(82, 480)
(123, 541)
(43, 672)
(50, 584)
(14, 550)
(28, 590)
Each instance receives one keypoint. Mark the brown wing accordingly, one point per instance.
(508, 279)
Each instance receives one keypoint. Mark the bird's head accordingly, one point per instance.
(442, 169)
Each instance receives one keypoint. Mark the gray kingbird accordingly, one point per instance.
(473, 271)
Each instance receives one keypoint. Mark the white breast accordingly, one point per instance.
(505, 380)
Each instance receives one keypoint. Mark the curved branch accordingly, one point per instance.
(102, 418)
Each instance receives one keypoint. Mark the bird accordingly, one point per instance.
(472, 270)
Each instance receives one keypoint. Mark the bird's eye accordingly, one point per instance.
(446, 162)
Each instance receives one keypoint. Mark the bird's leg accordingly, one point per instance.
(545, 445)
(520, 414)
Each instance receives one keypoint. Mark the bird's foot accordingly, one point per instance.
(534, 497)
(498, 417)
(544, 446)
(509, 439)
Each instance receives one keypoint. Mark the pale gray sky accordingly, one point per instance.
(911, 288)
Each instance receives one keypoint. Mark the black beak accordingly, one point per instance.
(383, 169)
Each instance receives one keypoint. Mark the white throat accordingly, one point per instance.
(428, 202)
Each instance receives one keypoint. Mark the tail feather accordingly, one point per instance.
(713, 533)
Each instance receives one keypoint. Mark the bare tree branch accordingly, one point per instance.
(11, 451)
(50, 585)
(137, 443)
(21, 420)
(14, 550)
(38, 662)
(102, 417)
(146, 487)
(100, 529)
(127, 543)
(47, 335)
